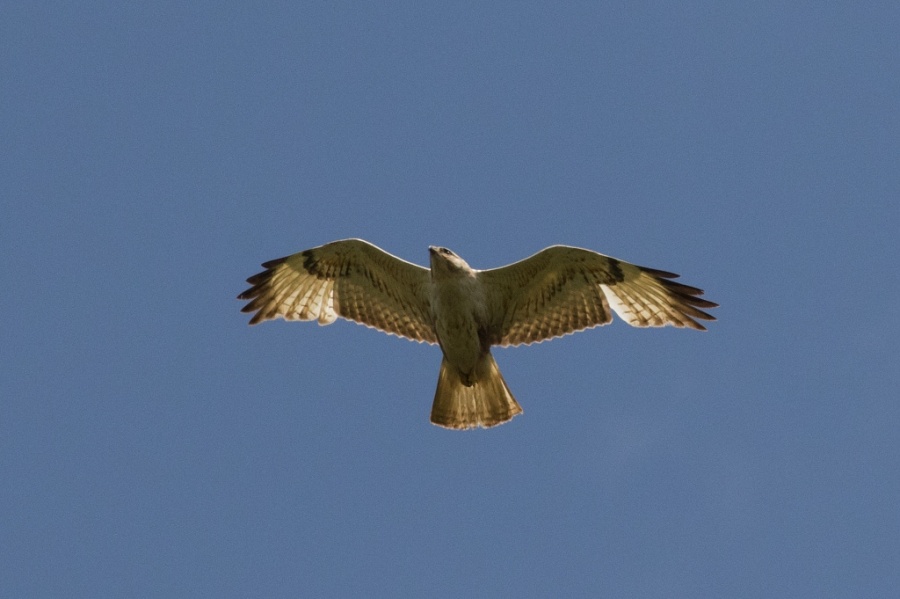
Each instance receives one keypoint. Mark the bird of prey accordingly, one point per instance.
(465, 311)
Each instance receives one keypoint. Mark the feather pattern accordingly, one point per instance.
(352, 279)
(561, 290)
(555, 292)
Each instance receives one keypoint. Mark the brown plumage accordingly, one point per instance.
(559, 290)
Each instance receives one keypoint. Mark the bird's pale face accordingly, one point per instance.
(443, 261)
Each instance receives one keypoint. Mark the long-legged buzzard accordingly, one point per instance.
(557, 291)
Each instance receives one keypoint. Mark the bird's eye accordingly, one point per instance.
(445, 251)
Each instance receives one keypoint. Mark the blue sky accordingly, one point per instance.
(153, 445)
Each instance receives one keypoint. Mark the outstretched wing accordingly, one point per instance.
(563, 289)
(350, 278)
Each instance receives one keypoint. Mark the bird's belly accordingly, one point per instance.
(458, 309)
(458, 336)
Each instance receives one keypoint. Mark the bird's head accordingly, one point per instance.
(445, 262)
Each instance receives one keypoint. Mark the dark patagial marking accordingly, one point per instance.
(311, 265)
(615, 270)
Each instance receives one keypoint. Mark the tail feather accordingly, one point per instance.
(488, 402)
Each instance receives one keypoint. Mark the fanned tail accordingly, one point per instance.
(488, 402)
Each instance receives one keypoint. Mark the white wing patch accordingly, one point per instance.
(640, 308)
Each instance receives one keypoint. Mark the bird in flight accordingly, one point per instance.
(465, 311)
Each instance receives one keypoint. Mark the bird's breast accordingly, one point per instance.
(459, 314)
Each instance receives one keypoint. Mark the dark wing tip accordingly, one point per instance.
(702, 303)
(703, 316)
(256, 294)
(262, 277)
(252, 306)
(686, 295)
(249, 294)
(662, 274)
(259, 282)
(256, 304)
(257, 318)
(273, 263)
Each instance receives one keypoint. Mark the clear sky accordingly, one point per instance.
(154, 445)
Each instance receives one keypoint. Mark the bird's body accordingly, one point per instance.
(471, 391)
(557, 291)
(459, 312)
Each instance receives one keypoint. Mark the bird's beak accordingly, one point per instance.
(432, 250)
